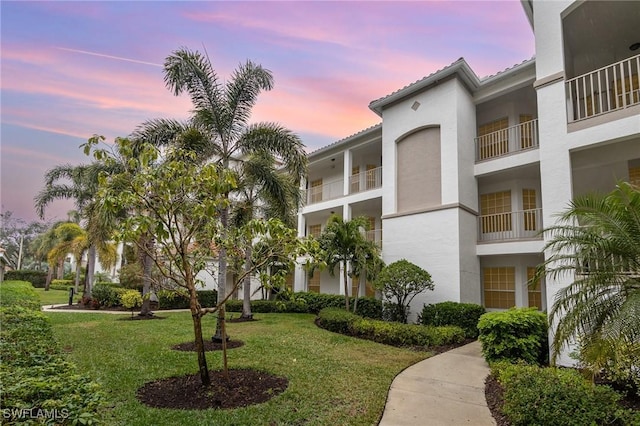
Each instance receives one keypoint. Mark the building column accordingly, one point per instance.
(347, 172)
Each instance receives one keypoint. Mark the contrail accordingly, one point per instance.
(109, 56)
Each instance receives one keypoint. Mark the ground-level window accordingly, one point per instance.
(499, 287)
(634, 172)
(534, 291)
(314, 282)
(315, 230)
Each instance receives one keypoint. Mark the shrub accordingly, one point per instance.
(34, 372)
(37, 278)
(551, 396)
(369, 307)
(19, 293)
(131, 299)
(168, 299)
(390, 333)
(62, 284)
(399, 283)
(513, 335)
(130, 275)
(464, 315)
(106, 295)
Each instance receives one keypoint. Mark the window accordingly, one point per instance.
(316, 191)
(535, 291)
(499, 287)
(630, 93)
(355, 179)
(496, 212)
(529, 207)
(493, 139)
(314, 282)
(526, 131)
(634, 172)
(315, 230)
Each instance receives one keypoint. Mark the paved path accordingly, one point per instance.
(447, 389)
(50, 308)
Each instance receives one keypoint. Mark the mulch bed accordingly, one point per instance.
(208, 345)
(79, 306)
(241, 319)
(244, 387)
(141, 317)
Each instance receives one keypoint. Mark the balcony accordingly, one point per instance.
(510, 226)
(365, 181)
(507, 141)
(375, 235)
(325, 191)
(607, 89)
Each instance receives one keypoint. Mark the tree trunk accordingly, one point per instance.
(346, 285)
(202, 359)
(47, 283)
(357, 296)
(246, 300)
(222, 272)
(60, 269)
(78, 272)
(91, 267)
(145, 310)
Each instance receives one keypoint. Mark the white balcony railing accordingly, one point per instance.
(507, 141)
(608, 89)
(326, 191)
(524, 224)
(375, 235)
(365, 181)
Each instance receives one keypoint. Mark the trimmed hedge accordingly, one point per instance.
(389, 333)
(519, 334)
(173, 300)
(464, 315)
(547, 396)
(34, 372)
(312, 303)
(37, 278)
(61, 284)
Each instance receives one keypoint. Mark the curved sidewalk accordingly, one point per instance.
(446, 389)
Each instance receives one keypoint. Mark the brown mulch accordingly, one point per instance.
(244, 387)
(241, 319)
(208, 346)
(80, 306)
(141, 317)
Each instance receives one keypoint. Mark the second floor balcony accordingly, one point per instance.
(507, 141)
(365, 181)
(510, 226)
(375, 235)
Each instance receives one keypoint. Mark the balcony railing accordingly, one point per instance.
(608, 89)
(507, 141)
(375, 235)
(365, 181)
(524, 224)
(326, 191)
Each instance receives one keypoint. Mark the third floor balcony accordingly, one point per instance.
(507, 140)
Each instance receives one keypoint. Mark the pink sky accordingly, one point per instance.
(72, 69)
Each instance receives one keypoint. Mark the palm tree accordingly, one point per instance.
(263, 192)
(344, 243)
(221, 114)
(80, 184)
(42, 245)
(597, 241)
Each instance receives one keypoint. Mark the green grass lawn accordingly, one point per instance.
(333, 379)
(53, 297)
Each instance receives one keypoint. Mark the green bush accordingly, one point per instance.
(390, 333)
(548, 396)
(62, 284)
(19, 293)
(171, 300)
(37, 278)
(514, 335)
(464, 315)
(34, 372)
(106, 295)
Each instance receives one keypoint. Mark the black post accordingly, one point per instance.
(70, 296)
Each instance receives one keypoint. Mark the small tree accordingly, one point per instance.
(399, 283)
(131, 299)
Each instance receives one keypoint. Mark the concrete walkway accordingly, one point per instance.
(51, 308)
(447, 389)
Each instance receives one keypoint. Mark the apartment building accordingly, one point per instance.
(462, 173)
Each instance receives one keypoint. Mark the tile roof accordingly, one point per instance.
(345, 140)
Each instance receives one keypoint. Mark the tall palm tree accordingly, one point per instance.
(344, 243)
(597, 242)
(221, 113)
(263, 192)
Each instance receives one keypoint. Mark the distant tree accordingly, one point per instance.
(344, 245)
(399, 283)
(16, 238)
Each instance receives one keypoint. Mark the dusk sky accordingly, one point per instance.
(73, 69)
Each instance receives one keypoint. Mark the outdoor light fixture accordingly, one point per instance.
(635, 46)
